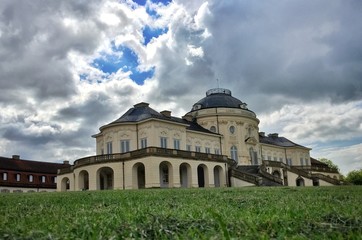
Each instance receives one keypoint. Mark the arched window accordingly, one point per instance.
(213, 129)
(234, 153)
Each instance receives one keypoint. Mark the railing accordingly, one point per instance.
(265, 174)
(150, 151)
(318, 169)
(288, 167)
(245, 176)
(326, 178)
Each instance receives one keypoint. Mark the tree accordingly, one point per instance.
(329, 163)
(355, 177)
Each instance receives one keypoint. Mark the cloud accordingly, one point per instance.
(296, 64)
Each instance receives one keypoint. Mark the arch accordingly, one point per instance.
(83, 180)
(185, 175)
(299, 182)
(65, 184)
(138, 176)
(166, 176)
(315, 182)
(234, 153)
(218, 176)
(202, 176)
(277, 174)
(105, 178)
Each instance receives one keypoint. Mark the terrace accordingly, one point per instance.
(145, 152)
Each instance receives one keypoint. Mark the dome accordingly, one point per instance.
(218, 97)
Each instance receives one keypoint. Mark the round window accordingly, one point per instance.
(213, 129)
(232, 129)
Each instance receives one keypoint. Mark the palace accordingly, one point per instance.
(216, 144)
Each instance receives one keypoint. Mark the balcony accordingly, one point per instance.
(145, 152)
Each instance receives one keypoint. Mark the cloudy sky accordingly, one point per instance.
(68, 67)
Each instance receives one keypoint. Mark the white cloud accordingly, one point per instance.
(346, 158)
(297, 66)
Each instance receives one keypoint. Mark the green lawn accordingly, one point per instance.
(226, 213)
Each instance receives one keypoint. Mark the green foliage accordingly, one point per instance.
(355, 177)
(329, 163)
(223, 213)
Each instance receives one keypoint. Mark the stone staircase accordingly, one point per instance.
(256, 175)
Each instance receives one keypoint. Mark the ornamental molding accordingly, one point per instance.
(251, 140)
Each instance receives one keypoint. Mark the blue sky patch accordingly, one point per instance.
(143, 2)
(149, 33)
(127, 61)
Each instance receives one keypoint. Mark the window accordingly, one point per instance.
(306, 161)
(109, 147)
(124, 146)
(234, 153)
(143, 142)
(197, 148)
(207, 150)
(280, 159)
(232, 129)
(5, 176)
(217, 151)
(42, 178)
(54, 179)
(188, 148)
(102, 151)
(30, 178)
(176, 143)
(163, 142)
(269, 158)
(289, 161)
(301, 161)
(18, 177)
(275, 159)
(213, 129)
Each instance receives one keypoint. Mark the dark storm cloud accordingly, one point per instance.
(270, 53)
(34, 44)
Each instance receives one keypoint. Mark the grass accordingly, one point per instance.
(226, 213)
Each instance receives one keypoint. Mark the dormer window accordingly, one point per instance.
(243, 106)
(196, 107)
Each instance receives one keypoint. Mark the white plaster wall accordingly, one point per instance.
(235, 182)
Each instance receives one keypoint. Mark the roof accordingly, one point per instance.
(274, 139)
(142, 111)
(315, 162)
(30, 166)
(139, 113)
(219, 97)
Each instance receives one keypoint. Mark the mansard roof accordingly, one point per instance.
(142, 111)
(274, 139)
(21, 165)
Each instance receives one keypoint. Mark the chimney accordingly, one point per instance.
(66, 162)
(262, 134)
(17, 157)
(273, 135)
(166, 113)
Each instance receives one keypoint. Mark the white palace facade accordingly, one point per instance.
(216, 144)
